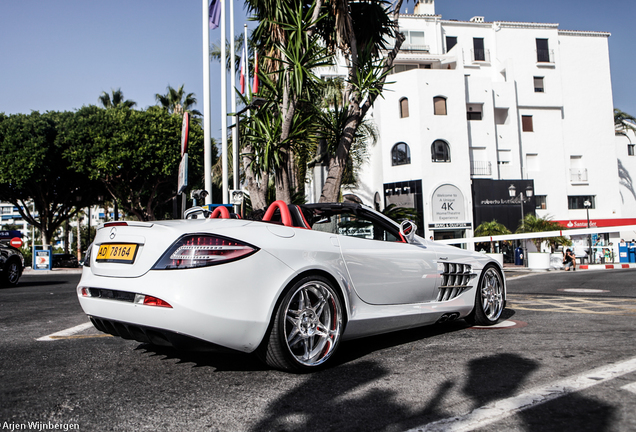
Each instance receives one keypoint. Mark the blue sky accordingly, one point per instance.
(61, 54)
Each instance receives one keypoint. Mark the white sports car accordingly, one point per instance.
(288, 288)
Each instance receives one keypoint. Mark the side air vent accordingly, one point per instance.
(455, 280)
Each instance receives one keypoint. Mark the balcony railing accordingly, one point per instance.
(578, 175)
(480, 168)
(413, 47)
(480, 55)
(545, 56)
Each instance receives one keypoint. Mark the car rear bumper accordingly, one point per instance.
(228, 305)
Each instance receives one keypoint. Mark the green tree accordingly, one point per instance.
(491, 228)
(292, 51)
(34, 174)
(135, 155)
(332, 118)
(358, 32)
(116, 100)
(176, 101)
(399, 214)
(534, 224)
(623, 122)
(296, 38)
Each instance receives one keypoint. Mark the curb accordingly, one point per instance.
(578, 267)
(606, 266)
(30, 271)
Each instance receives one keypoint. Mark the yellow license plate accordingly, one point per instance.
(117, 253)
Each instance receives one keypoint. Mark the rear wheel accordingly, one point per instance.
(489, 298)
(12, 272)
(307, 327)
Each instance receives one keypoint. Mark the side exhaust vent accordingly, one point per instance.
(455, 280)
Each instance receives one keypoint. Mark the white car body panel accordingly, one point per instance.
(385, 286)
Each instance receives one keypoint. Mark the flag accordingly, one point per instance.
(242, 81)
(255, 86)
(215, 13)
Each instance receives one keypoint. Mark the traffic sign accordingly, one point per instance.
(16, 242)
(183, 174)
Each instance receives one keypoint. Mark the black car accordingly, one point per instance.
(65, 260)
(11, 265)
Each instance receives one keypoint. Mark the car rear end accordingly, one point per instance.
(175, 281)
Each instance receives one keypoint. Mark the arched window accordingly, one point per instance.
(404, 107)
(439, 103)
(440, 151)
(400, 154)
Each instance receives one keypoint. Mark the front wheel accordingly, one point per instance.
(489, 298)
(307, 327)
(12, 273)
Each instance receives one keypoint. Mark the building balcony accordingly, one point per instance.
(480, 168)
(414, 47)
(480, 55)
(545, 56)
(578, 175)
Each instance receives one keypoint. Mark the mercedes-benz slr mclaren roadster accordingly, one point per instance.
(289, 288)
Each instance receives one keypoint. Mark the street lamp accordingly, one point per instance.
(512, 191)
(587, 204)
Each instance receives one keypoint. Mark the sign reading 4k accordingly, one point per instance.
(448, 204)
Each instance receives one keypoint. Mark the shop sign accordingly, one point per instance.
(448, 204)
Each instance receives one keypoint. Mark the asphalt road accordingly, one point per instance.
(573, 351)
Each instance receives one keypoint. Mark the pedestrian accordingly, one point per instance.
(569, 260)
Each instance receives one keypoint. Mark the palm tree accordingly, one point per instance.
(492, 228)
(399, 214)
(533, 224)
(116, 100)
(177, 102)
(623, 122)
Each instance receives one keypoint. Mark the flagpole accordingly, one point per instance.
(207, 121)
(247, 68)
(235, 131)
(223, 106)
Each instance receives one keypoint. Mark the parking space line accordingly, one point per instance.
(504, 408)
(587, 305)
(630, 387)
(64, 334)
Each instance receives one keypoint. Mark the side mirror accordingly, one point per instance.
(407, 229)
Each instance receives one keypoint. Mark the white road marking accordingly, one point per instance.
(502, 409)
(583, 290)
(630, 387)
(502, 324)
(66, 333)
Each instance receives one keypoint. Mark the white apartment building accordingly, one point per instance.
(478, 106)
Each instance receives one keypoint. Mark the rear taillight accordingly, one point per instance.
(200, 250)
(115, 224)
(87, 257)
(151, 301)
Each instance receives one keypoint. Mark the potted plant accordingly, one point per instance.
(532, 224)
(489, 229)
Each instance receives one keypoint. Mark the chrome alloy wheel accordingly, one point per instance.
(313, 322)
(13, 272)
(492, 301)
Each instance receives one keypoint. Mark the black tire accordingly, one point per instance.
(12, 272)
(489, 298)
(306, 329)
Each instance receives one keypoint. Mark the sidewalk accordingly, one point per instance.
(615, 266)
(30, 271)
